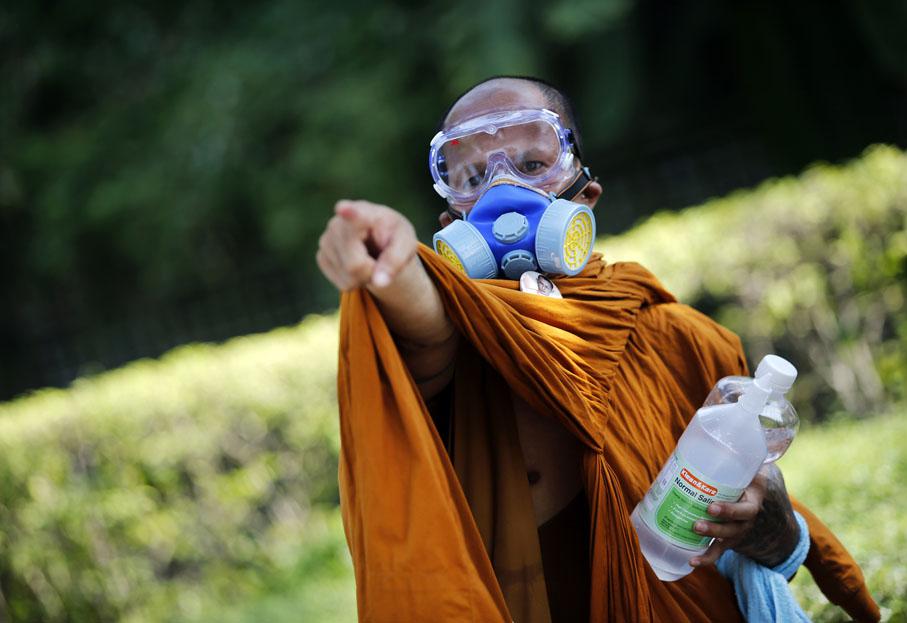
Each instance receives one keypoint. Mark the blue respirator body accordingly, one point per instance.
(514, 228)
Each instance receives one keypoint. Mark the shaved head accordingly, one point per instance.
(512, 92)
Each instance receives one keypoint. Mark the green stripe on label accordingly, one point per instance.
(675, 517)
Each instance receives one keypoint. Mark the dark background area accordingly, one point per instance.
(166, 168)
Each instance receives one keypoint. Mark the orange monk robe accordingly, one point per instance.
(619, 363)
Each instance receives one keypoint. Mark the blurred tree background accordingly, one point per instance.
(166, 167)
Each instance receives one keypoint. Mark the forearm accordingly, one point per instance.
(775, 532)
(412, 308)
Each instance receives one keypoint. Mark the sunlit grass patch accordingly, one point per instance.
(853, 475)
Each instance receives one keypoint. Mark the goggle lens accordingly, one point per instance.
(531, 149)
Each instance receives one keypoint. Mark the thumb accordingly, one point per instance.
(400, 249)
(395, 239)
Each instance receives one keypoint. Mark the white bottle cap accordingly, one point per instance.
(780, 371)
(755, 396)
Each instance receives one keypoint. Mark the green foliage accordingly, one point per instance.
(320, 588)
(852, 475)
(143, 494)
(181, 488)
(152, 152)
(814, 269)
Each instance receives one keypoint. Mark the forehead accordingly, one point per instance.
(495, 95)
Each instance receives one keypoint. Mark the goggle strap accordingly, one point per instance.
(582, 179)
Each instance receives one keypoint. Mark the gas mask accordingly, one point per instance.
(504, 161)
(515, 228)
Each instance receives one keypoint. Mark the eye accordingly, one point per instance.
(533, 166)
(474, 181)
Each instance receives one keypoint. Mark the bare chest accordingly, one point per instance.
(553, 459)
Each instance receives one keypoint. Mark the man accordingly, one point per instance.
(372, 247)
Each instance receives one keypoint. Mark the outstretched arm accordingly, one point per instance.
(372, 246)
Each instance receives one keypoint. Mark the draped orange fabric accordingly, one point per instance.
(619, 363)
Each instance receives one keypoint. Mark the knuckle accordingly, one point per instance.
(393, 260)
(718, 531)
(364, 206)
(732, 531)
(738, 509)
(359, 269)
(324, 260)
(342, 281)
(403, 224)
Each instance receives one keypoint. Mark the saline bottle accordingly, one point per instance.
(715, 459)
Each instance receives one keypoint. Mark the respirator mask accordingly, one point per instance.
(506, 165)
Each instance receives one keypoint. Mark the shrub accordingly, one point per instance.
(150, 492)
(813, 268)
(140, 493)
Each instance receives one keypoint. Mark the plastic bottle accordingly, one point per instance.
(779, 419)
(715, 459)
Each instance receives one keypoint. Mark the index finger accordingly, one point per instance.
(360, 214)
(744, 510)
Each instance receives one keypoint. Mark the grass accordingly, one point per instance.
(319, 589)
(853, 474)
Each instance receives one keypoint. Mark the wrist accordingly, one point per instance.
(402, 285)
(787, 538)
(788, 567)
(412, 308)
(775, 532)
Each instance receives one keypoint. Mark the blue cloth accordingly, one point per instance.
(763, 594)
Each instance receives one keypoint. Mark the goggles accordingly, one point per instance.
(530, 146)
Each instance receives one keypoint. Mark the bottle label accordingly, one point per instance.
(678, 498)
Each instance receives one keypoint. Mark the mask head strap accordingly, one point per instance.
(455, 214)
(572, 142)
(578, 185)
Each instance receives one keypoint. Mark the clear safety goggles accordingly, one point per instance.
(529, 145)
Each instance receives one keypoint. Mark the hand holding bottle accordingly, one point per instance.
(716, 492)
(761, 525)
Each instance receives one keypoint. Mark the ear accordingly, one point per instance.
(590, 194)
(445, 219)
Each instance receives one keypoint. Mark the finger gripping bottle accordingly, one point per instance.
(779, 419)
(715, 459)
